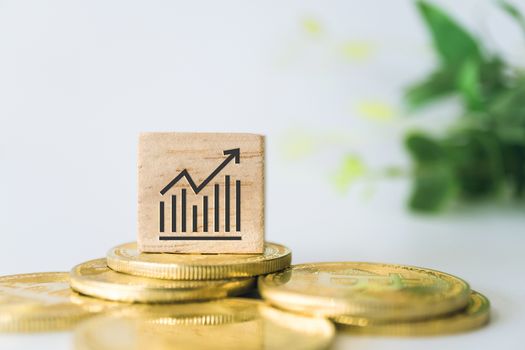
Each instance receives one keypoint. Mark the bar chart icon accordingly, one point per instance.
(217, 212)
(200, 193)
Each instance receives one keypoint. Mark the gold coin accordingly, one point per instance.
(126, 258)
(224, 324)
(475, 315)
(369, 290)
(40, 302)
(96, 279)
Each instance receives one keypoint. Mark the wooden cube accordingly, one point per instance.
(201, 192)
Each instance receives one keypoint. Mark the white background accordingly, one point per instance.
(80, 80)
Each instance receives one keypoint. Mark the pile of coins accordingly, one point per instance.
(132, 300)
(378, 299)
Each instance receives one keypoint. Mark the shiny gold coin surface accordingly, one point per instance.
(369, 290)
(475, 315)
(41, 302)
(95, 278)
(224, 324)
(127, 259)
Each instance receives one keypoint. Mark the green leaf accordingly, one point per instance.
(469, 83)
(462, 63)
(492, 77)
(514, 166)
(434, 183)
(513, 12)
(476, 157)
(507, 114)
(438, 85)
(424, 149)
(454, 44)
(434, 187)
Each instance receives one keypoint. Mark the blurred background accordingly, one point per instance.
(331, 85)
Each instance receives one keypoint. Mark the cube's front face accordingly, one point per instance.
(201, 193)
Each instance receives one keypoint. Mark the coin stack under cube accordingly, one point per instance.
(128, 276)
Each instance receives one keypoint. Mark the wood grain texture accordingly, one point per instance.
(181, 174)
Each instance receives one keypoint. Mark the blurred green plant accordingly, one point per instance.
(483, 155)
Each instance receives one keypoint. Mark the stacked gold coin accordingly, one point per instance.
(129, 276)
(40, 302)
(222, 324)
(371, 298)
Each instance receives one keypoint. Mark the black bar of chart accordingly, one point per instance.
(161, 216)
(227, 203)
(216, 198)
(205, 213)
(238, 205)
(195, 213)
(183, 210)
(173, 213)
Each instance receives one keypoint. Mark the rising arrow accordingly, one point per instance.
(232, 154)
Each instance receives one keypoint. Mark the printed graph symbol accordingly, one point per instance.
(180, 208)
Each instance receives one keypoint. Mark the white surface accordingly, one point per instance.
(79, 80)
